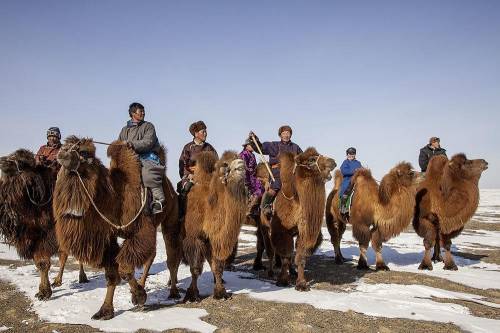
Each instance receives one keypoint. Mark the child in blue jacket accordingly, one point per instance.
(347, 168)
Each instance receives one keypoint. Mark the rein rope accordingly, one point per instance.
(113, 225)
(28, 191)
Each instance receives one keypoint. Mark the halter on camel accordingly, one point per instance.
(26, 186)
(307, 166)
(90, 160)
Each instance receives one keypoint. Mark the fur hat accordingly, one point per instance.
(285, 128)
(247, 142)
(196, 127)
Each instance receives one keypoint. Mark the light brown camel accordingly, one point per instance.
(26, 220)
(378, 212)
(94, 205)
(445, 201)
(216, 209)
(299, 208)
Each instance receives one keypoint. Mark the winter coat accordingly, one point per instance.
(426, 153)
(189, 154)
(47, 155)
(253, 184)
(347, 169)
(273, 149)
(142, 136)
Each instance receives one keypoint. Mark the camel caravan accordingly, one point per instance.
(64, 201)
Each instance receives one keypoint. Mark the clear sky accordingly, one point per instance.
(382, 76)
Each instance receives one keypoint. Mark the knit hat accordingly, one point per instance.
(351, 151)
(433, 139)
(54, 131)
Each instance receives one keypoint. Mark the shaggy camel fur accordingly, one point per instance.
(116, 193)
(26, 220)
(216, 208)
(299, 208)
(445, 201)
(378, 212)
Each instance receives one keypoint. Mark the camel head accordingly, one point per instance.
(461, 167)
(76, 154)
(404, 174)
(311, 164)
(17, 162)
(230, 168)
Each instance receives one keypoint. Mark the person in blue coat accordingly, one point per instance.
(348, 167)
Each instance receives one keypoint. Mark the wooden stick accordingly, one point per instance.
(262, 158)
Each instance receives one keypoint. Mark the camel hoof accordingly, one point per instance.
(174, 293)
(283, 283)
(451, 267)
(139, 296)
(56, 283)
(192, 296)
(43, 295)
(339, 260)
(382, 267)
(257, 266)
(83, 279)
(362, 265)
(302, 286)
(220, 293)
(105, 313)
(438, 258)
(424, 266)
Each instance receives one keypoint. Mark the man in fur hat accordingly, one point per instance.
(187, 160)
(141, 136)
(47, 154)
(273, 149)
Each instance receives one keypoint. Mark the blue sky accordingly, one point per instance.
(382, 76)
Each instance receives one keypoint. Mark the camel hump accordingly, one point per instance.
(115, 149)
(206, 161)
(337, 179)
(362, 173)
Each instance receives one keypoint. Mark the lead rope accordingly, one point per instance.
(119, 227)
(28, 191)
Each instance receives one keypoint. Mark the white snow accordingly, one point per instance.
(4, 328)
(75, 303)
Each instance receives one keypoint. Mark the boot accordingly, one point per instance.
(158, 200)
(267, 205)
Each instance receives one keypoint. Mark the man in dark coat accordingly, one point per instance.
(428, 151)
(189, 153)
(141, 136)
(47, 154)
(273, 149)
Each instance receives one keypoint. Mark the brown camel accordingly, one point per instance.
(26, 220)
(445, 201)
(298, 210)
(216, 209)
(93, 206)
(378, 212)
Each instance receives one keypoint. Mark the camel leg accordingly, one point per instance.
(219, 289)
(362, 234)
(257, 263)
(428, 231)
(449, 263)
(174, 256)
(62, 262)
(139, 295)
(42, 263)
(228, 263)
(194, 249)
(283, 246)
(145, 270)
(284, 275)
(82, 277)
(300, 261)
(436, 257)
(112, 280)
(377, 247)
(266, 236)
(338, 232)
